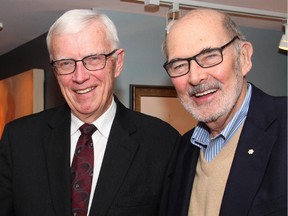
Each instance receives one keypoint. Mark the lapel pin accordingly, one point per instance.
(250, 151)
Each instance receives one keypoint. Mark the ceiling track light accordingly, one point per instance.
(151, 3)
(234, 10)
(172, 15)
(284, 40)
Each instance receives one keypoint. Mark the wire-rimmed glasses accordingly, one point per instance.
(205, 59)
(91, 63)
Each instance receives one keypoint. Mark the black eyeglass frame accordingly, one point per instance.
(82, 60)
(195, 56)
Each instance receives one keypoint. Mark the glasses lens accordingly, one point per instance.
(209, 59)
(64, 66)
(177, 68)
(94, 62)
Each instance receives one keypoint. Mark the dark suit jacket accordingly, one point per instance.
(35, 166)
(257, 183)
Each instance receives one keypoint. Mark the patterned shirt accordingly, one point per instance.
(212, 146)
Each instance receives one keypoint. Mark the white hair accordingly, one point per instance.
(75, 20)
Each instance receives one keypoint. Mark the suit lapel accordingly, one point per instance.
(251, 157)
(179, 197)
(118, 157)
(190, 162)
(57, 148)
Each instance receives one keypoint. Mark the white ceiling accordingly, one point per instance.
(24, 20)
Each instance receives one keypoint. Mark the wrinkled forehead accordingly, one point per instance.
(195, 31)
(200, 19)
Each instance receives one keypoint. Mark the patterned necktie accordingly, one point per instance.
(82, 171)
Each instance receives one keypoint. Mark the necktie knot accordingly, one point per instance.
(87, 129)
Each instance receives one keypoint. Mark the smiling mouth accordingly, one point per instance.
(205, 93)
(84, 91)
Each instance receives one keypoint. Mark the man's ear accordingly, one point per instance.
(246, 57)
(119, 62)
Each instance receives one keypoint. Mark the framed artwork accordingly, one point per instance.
(21, 95)
(161, 102)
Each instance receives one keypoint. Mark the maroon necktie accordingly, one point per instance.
(82, 171)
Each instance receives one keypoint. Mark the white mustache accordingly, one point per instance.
(203, 89)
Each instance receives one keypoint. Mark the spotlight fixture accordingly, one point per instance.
(284, 40)
(172, 15)
(151, 3)
(1, 26)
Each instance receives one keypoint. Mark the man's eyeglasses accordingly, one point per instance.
(205, 59)
(91, 63)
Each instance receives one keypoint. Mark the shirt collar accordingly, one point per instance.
(103, 123)
(239, 116)
(201, 134)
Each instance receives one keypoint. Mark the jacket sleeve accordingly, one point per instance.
(6, 192)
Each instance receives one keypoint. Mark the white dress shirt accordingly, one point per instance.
(100, 138)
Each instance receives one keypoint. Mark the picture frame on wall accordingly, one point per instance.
(161, 102)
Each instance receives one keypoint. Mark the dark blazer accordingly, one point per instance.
(35, 166)
(257, 183)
